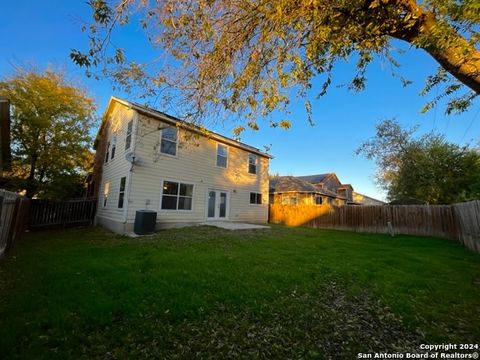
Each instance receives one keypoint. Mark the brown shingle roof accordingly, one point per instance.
(282, 184)
(290, 183)
(315, 179)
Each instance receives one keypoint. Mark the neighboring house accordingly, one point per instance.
(317, 189)
(331, 183)
(290, 190)
(147, 159)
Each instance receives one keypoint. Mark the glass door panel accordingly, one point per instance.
(212, 195)
(223, 205)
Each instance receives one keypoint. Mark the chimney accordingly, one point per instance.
(5, 154)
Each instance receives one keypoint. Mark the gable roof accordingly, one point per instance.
(315, 179)
(290, 183)
(172, 120)
(282, 184)
(368, 197)
(320, 178)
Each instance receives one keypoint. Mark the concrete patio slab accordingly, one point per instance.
(235, 225)
(220, 224)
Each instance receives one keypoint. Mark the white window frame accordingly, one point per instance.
(113, 147)
(120, 191)
(178, 195)
(226, 156)
(176, 142)
(256, 197)
(315, 200)
(129, 134)
(106, 193)
(256, 164)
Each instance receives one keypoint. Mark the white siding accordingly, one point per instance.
(118, 167)
(194, 163)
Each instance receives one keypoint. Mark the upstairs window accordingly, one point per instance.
(121, 193)
(252, 164)
(255, 198)
(222, 155)
(128, 138)
(168, 142)
(107, 154)
(106, 191)
(177, 196)
(114, 146)
(318, 200)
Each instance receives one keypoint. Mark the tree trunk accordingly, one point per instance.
(452, 51)
(31, 187)
(33, 165)
(465, 68)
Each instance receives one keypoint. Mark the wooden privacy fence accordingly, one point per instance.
(468, 222)
(13, 219)
(459, 222)
(61, 213)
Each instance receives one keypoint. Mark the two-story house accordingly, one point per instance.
(291, 190)
(320, 189)
(146, 159)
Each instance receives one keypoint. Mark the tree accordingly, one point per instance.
(427, 168)
(50, 132)
(246, 57)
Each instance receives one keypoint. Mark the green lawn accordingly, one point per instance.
(203, 292)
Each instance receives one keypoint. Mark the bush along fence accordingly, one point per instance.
(18, 213)
(459, 222)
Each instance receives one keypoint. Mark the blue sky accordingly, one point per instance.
(42, 33)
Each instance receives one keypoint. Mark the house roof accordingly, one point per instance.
(172, 120)
(315, 179)
(321, 178)
(368, 197)
(290, 183)
(282, 184)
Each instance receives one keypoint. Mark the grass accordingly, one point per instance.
(204, 292)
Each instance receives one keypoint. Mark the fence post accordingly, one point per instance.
(11, 230)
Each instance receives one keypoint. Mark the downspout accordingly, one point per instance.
(130, 175)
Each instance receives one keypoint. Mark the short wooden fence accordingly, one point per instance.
(14, 211)
(460, 222)
(61, 213)
(17, 213)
